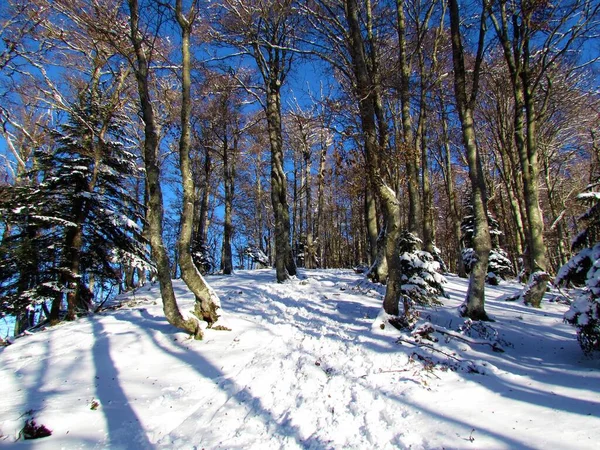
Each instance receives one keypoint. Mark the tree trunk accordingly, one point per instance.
(537, 249)
(229, 181)
(428, 226)
(154, 216)
(516, 55)
(309, 252)
(200, 239)
(285, 265)
(207, 302)
(319, 239)
(258, 232)
(561, 252)
(369, 128)
(371, 223)
(408, 141)
(73, 245)
(453, 200)
(474, 306)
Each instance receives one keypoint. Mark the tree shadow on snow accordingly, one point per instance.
(154, 325)
(124, 427)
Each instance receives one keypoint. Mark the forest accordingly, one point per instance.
(149, 140)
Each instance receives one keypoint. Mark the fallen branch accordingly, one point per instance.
(429, 328)
(429, 346)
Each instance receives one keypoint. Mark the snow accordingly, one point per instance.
(306, 365)
(589, 196)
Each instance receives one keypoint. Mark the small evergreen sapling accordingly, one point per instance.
(422, 283)
(584, 313)
(499, 266)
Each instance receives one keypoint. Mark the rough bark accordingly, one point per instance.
(284, 261)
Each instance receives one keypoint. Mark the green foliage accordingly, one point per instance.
(499, 266)
(80, 185)
(584, 313)
(421, 281)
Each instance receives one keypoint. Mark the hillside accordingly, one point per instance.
(306, 365)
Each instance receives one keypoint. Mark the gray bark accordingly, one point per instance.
(474, 306)
(365, 95)
(154, 215)
(207, 303)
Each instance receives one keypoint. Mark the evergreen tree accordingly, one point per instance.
(75, 221)
(421, 282)
(499, 266)
(584, 268)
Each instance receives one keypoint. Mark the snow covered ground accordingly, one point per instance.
(306, 365)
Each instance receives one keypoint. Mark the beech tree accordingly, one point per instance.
(535, 36)
(465, 95)
(267, 32)
(140, 60)
(207, 302)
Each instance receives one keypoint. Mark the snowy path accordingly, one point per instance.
(305, 366)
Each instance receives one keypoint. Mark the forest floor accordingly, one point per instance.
(305, 365)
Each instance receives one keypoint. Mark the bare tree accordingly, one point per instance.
(143, 52)
(535, 36)
(266, 32)
(474, 306)
(207, 302)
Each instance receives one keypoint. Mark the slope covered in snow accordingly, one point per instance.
(306, 365)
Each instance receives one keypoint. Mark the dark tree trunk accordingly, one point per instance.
(365, 95)
(229, 182)
(73, 245)
(285, 265)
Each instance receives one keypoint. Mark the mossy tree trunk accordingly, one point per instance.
(207, 303)
(474, 306)
(154, 212)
